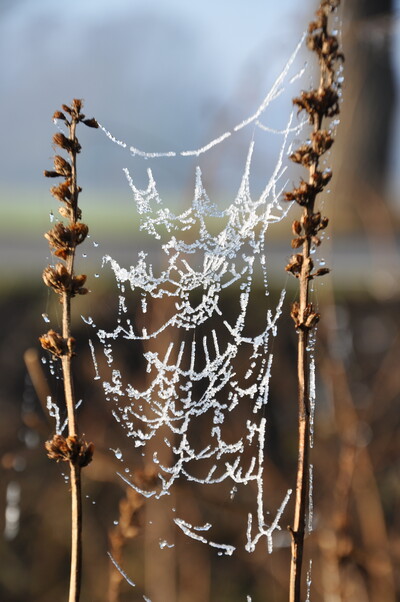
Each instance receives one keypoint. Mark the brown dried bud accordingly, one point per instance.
(67, 109)
(297, 242)
(86, 454)
(321, 141)
(59, 115)
(324, 103)
(71, 346)
(294, 265)
(303, 194)
(57, 278)
(321, 179)
(324, 222)
(62, 166)
(65, 238)
(316, 218)
(71, 449)
(295, 313)
(77, 104)
(91, 123)
(304, 155)
(296, 227)
(51, 174)
(60, 237)
(52, 341)
(310, 317)
(77, 285)
(70, 145)
(312, 223)
(62, 192)
(329, 102)
(79, 232)
(321, 272)
(68, 212)
(330, 46)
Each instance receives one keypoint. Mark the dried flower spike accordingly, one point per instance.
(318, 104)
(63, 240)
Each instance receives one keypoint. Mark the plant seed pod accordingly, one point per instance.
(91, 123)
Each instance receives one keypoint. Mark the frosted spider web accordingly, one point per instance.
(202, 365)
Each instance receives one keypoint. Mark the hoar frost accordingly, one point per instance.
(192, 355)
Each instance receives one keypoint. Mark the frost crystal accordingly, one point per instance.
(207, 366)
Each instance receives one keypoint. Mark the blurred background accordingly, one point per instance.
(172, 76)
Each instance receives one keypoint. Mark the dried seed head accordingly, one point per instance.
(304, 155)
(62, 192)
(71, 346)
(60, 237)
(316, 218)
(296, 227)
(321, 272)
(77, 285)
(77, 104)
(318, 103)
(324, 222)
(52, 341)
(295, 313)
(57, 278)
(321, 141)
(59, 115)
(310, 318)
(321, 179)
(70, 449)
(64, 238)
(62, 166)
(294, 265)
(91, 123)
(79, 232)
(303, 194)
(297, 242)
(67, 109)
(70, 145)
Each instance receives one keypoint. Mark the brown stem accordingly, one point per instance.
(298, 529)
(319, 103)
(76, 533)
(75, 469)
(303, 464)
(63, 240)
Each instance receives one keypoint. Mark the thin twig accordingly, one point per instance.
(318, 104)
(63, 240)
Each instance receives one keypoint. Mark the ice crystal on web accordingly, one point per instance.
(208, 360)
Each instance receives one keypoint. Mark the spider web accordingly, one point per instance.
(205, 367)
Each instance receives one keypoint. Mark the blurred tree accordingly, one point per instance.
(367, 118)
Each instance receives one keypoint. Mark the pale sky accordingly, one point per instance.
(155, 71)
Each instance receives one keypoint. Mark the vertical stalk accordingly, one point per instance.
(318, 104)
(76, 533)
(63, 240)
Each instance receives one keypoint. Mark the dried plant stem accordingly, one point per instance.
(66, 361)
(63, 240)
(303, 362)
(297, 531)
(76, 533)
(319, 103)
